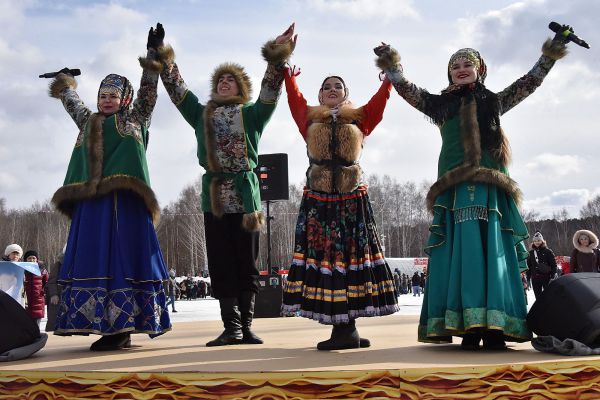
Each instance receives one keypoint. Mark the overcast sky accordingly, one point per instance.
(555, 133)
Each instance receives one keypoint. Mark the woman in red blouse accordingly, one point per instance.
(338, 271)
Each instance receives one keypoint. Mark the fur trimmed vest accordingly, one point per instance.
(110, 152)
(334, 144)
(93, 172)
(462, 158)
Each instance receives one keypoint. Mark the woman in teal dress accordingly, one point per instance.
(475, 246)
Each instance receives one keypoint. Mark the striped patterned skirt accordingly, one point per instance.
(338, 272)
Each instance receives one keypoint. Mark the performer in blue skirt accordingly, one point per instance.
(113, 268)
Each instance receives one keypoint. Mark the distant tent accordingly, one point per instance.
(407, 266)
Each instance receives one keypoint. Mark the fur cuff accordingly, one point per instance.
(165, 55)
(277, 53)
(554, 49)
(150, 64)
(389, 60)
(60, 83)
(253, 221)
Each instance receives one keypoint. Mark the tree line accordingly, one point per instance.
(399, 209)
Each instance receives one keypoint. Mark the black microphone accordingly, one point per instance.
(72, 72)
(568, 34)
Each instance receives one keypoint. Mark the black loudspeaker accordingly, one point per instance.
(268, 299)
(569, 308)
(272, 172)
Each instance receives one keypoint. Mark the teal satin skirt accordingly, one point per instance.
(476, 255)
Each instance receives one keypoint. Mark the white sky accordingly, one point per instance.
(554, 133)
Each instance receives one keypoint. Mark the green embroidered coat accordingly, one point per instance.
(109, 153)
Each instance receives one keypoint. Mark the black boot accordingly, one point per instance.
(112, 342)
(493, 339)
(231, 321)
(343, 336)
(247, 301)
(470, 341)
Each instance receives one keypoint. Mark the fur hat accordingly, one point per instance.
(30, 253)
(12, 248)
(241, 78)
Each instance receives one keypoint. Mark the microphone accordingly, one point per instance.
(568, 34)
(72, 72)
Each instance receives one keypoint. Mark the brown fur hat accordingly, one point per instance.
(241, 78)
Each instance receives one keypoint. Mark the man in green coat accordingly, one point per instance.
(228, 129)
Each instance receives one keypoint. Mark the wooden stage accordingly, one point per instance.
(177, 365)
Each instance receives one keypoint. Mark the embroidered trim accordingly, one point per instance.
(470, 214)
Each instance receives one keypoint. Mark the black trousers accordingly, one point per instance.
(232, 255)
(539, 283)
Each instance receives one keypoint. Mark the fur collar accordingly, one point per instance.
(345, 114)
(593, 241)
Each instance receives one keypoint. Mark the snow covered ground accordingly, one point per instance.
(208, 309)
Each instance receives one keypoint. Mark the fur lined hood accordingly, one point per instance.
(593, 241)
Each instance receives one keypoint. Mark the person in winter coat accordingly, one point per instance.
(475, 246)
(53, 292)
(35, 287)
(13, 252)
(585, 256)
(338, 271)
(416, 284)
(113, 269)
(228, 129)
(173, 290)
(541, 263)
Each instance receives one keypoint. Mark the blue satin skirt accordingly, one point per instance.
(113, 270)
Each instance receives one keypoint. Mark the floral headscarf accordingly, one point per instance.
(114, 83)
(473, 56)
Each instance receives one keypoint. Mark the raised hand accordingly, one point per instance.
(560, 35)
(156, 37)
(287, 35)
(382, 49)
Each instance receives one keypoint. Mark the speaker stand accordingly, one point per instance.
(272, 271)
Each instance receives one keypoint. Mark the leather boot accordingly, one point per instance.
(470, 341)
(343, 336)
(231, 321)
(247, 301)
(112, 342)
(493, 339)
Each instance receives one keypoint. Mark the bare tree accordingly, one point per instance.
(591, 208)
